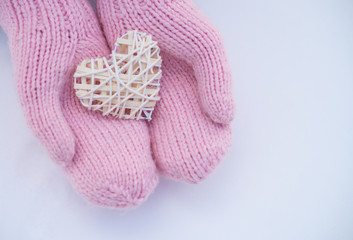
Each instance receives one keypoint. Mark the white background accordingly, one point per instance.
(289, 174)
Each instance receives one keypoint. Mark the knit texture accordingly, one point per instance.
(108, 161)
(183, 31)
(190, 130)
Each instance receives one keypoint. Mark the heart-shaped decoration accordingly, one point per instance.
(126, 85)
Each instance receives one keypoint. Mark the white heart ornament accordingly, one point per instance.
(125, 86)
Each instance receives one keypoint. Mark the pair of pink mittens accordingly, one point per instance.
(112, 162)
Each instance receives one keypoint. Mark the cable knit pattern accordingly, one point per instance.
(108, 161)
(187, 145)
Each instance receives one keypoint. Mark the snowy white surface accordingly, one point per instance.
(289, 174)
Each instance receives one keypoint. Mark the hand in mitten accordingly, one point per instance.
(108, 161)
(190, 130)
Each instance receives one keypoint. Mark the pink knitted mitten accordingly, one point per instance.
(108, 161)
(190, 128)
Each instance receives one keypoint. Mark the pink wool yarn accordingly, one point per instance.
(109, 161)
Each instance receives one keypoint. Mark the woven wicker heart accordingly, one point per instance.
(125, 86)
